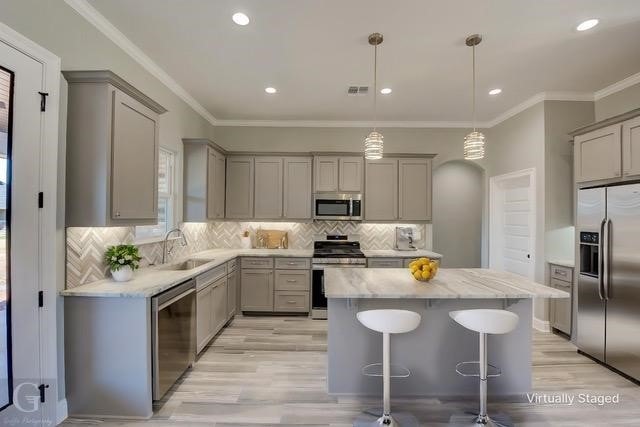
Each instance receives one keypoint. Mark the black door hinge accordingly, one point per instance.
(40, 299)
(41, 387)
(41, 200)
(43, 101)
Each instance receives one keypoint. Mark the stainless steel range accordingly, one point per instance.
(335, 251)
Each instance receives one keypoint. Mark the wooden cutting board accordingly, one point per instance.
(272, 239)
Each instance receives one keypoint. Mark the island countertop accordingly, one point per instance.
(450, 283)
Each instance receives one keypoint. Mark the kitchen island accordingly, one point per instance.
(432, 351)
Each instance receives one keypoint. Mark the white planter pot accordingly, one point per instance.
(124, 274)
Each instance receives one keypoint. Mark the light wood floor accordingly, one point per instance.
(269, 371)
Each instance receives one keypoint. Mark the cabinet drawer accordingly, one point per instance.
(384, 263)
(287, 280)
(257, 263)
(294, 301)
(210, 276)
(561, 273)
(232, 265)
(293, 263)
(561, 284)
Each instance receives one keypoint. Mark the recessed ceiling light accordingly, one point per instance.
(270, 90)
(240, 18)
(386, 91)
(495, 91)
(587, 25)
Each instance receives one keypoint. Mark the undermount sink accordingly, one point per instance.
(189, 264)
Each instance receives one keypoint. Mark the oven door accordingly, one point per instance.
(318, 299)
(332, 207)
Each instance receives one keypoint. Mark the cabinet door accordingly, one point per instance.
(598, 154)
(561, 308)
(381, 190)
(631, 147)
(232, 294)
(385, 263)
(414, 198)
(350, 176)
(204, 323)
(297, 187)
(220, 185)
(219, 305)
(268, 188)
(257, 290)
(134, 160)
(326, 174)
(239, 200)
(212, 182)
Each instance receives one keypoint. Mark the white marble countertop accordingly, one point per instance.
(394, 253)
(151, 281)
(449, 283)
(569, 263)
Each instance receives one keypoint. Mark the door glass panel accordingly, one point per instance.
(6, 86)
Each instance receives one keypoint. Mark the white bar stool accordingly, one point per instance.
(483, 321)
(388, 322)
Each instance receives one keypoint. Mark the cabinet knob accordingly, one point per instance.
(118, 214)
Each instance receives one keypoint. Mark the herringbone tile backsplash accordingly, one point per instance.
(86, 246)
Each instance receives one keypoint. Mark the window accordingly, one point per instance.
(166, 199)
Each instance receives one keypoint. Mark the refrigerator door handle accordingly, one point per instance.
(607, 260)
(601, 261)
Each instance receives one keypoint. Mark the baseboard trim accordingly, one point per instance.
(541, 325)
(61, 411)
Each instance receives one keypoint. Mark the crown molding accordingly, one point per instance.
(98, 20)
(343, 124)
(617, 86)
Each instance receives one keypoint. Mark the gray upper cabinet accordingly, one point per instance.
(381, 191)
(203, 181)
(297, 187)
(414, 189)
(268, 187)
(112, 152)
(631, 147)
(598, 154)
(338, 174)
(239, 187)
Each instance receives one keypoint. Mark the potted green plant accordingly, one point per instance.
(122, 260)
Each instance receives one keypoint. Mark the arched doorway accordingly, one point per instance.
(458, 199)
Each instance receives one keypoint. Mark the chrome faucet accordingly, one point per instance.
(166, 252)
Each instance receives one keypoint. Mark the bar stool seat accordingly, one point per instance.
(483, 321)
(388, 322)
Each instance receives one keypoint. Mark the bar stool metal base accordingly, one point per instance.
(399, 419)
(469, 420)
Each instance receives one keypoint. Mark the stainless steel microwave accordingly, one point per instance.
(340, 207)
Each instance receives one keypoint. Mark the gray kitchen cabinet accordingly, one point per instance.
(381, 190)
(561, 278)
(350, 174)
(291, 301)
(219, 305)
(232, 293)
(293, 280)
(112, 152)
(414, 189)
(297, 188)
(631, 147)
(239, 187)
(268, 188)
(385, 263)
(256, 289)
(204, 319)
(598, 154)
(203, 181)
(326, 174)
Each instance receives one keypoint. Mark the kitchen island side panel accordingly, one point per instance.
(430, 352)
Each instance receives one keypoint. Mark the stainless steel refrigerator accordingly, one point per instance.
(608, 229)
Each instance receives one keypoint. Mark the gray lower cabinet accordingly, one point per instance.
(385, 263)
(219, 306)
(232, 293)
(211, 311)
(257, 289)
(560, 309)
(239, 187)
(291, 301)
(112, 152)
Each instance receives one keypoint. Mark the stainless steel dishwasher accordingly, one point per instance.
(173, 339)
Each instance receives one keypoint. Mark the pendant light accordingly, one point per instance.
(474, 142)
(373, 143)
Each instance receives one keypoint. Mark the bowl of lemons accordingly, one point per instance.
(424, 269)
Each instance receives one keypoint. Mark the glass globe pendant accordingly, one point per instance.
(373, 143)
(474, 142)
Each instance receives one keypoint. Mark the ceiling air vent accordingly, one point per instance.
(357, 90)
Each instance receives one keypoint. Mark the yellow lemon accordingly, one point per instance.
(417, 275)
(414, 269)
(426, 267)
(423, 259)
(426, 275)
(433, 274)
(433, 265)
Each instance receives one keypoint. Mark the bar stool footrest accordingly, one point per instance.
(490, 374)
(375, 370)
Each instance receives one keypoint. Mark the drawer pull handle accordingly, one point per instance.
(561, 272)
(291, 302)
(291, 280)
(292, 263)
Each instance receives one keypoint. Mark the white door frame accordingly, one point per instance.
(48, 185)
(493, 189)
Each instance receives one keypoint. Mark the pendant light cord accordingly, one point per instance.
(473, 95)
(375, 87)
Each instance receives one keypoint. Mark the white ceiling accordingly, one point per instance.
(311, 50)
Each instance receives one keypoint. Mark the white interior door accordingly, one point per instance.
(21, 78)
(512, 223)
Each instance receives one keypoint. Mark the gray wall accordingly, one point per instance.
(618, 103)
(458, 188)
